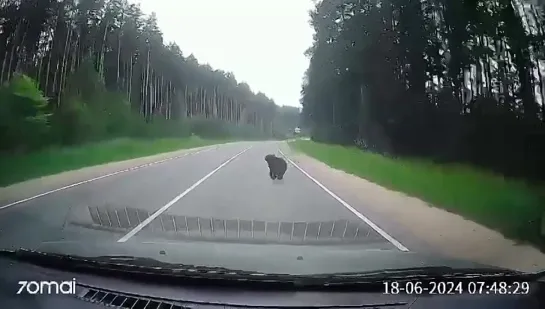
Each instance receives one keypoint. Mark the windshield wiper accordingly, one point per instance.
(434, 273)
(150, 269)
(147, 268)
(125, 263)
(138, 266)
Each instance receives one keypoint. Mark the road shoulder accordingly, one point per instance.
(445, 233)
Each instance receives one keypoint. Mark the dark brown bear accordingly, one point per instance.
(277, 166)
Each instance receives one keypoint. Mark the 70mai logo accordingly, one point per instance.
(47, 287)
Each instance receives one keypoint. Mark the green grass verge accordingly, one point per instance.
(509, 206)
(17, 168)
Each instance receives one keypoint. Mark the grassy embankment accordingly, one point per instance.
(509, 206)
(48, 161)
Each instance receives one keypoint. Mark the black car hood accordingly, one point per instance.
(265, 258)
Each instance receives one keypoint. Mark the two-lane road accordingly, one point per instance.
(207, 189)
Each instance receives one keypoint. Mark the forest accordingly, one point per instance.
(79, 71)
(444, 80)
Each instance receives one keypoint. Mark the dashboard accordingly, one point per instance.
(84, 290)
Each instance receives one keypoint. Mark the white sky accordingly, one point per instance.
(261, 41)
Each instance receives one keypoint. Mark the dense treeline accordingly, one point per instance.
(81, 70)
(449, 80)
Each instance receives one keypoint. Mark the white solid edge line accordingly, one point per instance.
(158, 212)
(104, 176)
(375, 227)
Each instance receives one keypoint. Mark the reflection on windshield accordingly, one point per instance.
(412, 132)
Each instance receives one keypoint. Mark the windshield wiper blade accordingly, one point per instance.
(150, 269)
(177, 267)
(136, 266)
(141, 265)
(438, 272)
(149, 266)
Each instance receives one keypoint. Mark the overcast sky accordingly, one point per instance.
(261, 41)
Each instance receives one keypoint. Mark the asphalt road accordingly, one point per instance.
(221, 190)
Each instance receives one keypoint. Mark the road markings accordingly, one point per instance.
(375, 227)
(107, 175)
(157, 213)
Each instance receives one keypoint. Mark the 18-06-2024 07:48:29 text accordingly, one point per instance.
(456, 287)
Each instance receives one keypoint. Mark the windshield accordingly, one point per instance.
(296, 138)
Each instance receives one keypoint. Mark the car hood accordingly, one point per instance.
(265, 258)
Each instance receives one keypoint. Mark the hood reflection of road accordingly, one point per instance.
(216, 229)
